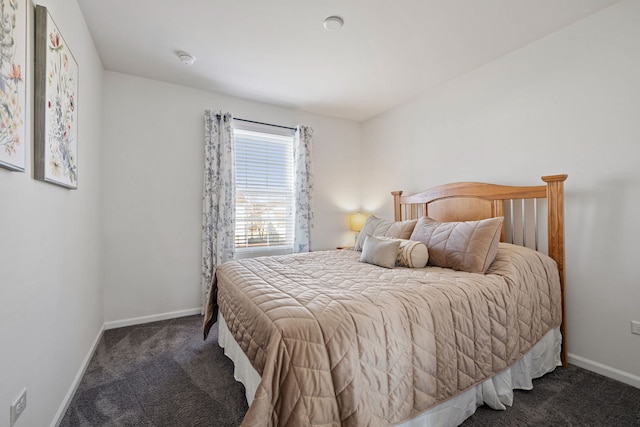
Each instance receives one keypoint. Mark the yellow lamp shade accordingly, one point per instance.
(357, 221)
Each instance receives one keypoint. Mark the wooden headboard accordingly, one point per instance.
(520, 206)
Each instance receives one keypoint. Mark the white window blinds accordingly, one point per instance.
(264, 190)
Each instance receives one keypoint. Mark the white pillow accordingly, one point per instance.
(380, 252)
(411, 254)
(465, 246)
(375, 226)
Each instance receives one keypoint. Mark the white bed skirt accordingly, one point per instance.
(496, 392)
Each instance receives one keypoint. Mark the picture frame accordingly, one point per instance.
(55, 108)
(13, 84)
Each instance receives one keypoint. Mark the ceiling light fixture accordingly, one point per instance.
(333, 23)
(186, 58)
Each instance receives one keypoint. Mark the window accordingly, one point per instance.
(264, 189)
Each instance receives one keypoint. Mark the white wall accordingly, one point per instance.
(51, 307)
(568, 103)
(153, 166)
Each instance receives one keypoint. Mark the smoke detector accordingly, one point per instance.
(186, 58)
(333, 23)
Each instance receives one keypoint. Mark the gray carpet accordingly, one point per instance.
(158, 374)
(164, 374)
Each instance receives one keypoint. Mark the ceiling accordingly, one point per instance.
(278, 52)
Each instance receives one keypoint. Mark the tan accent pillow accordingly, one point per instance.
(410, 254)
(382, 227)
(466, 246)
(380, 252)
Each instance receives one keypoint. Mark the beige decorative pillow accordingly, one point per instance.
(380, 252)
(466, 246)
(410, 254)
(382, 227)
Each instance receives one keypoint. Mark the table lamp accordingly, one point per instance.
(357, 221)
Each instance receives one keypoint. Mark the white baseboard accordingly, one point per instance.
(607, 371)
(153, 318)
(76, 381)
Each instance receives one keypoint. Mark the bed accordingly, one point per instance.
(322, 339)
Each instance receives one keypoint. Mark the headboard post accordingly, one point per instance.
(397, 211)
(498, 210)
(555, 207)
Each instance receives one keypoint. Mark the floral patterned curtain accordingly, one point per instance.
(303, 176)
(218, 196)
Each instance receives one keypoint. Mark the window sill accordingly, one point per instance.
(265, 251)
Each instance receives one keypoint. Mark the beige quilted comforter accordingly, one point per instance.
(339, 342)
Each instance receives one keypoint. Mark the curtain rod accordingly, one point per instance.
(262, 123)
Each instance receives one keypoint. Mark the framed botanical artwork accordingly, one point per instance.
(56, 109)
(13, 60)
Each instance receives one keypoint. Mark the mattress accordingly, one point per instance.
(337, 342)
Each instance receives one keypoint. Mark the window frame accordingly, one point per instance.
(285, 136)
